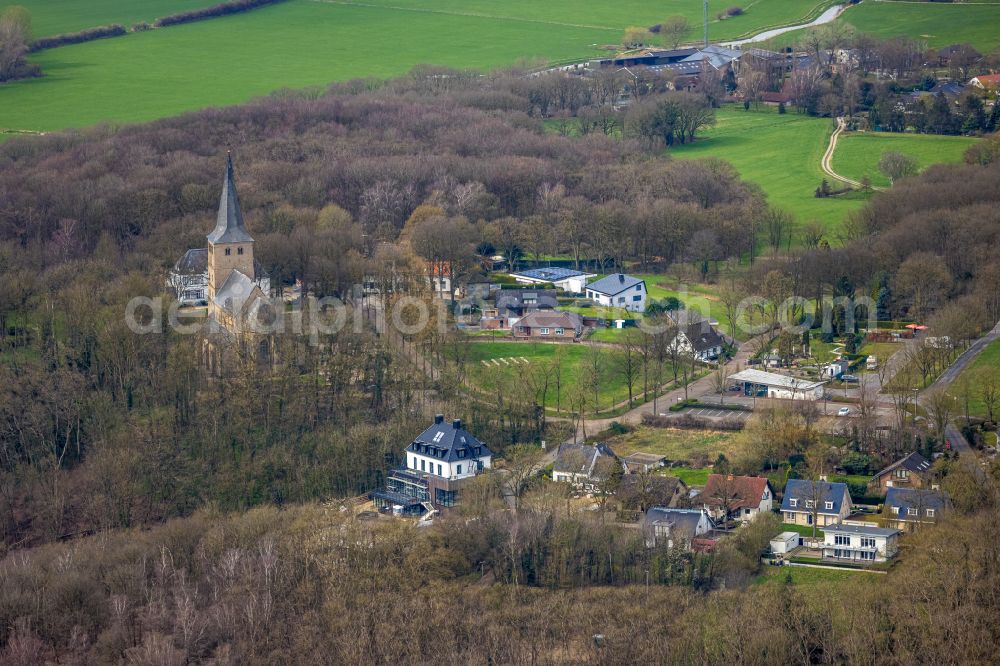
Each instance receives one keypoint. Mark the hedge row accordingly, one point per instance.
(87, 35)
(222, 9)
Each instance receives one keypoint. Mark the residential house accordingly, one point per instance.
(728, 497)
(620, 291)
(860, 543)
(699, 339)
(911, 471)
(805, 501)
(908, 508)
(565, 279)
(583, 465)
(986, 82)
(439, 278)
(675, 528)
(509, 305)
(439, 461)
(638, 492)
(772, 385)
(548, 324)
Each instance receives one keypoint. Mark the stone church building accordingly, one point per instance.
(232, 284)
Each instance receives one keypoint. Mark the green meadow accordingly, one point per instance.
(779, 152)
(937, 23)
(52, 17)
(493, 365)
(858, 154)
(982, 373)
(301, 43)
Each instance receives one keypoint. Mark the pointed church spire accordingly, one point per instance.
(229, 227)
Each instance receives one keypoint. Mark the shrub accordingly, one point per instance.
(222, 9)
(734, 11)
(88, 35)
(141, 26)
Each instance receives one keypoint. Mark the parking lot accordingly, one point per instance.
(714, 414)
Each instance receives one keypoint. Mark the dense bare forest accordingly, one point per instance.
(122, 437)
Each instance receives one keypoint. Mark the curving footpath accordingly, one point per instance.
(827, 161)
(827, 16)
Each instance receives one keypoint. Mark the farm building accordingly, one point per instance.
(772, 385)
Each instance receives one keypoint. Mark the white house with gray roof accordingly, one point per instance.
(619, 291)
(860, 543)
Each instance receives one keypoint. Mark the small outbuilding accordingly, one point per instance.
(785, 543)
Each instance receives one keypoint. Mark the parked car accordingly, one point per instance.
(844, 411)
(850, 379)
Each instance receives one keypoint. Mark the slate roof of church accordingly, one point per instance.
(229, 226)
(444, 441)
(234, 291)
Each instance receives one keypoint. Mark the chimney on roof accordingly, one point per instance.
(457, 424)
(621, 277)
(439, 418)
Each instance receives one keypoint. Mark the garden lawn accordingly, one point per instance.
(676, 444)
(985, 368)
(302, 43)
(514, 359)
(52, 17)
(937, 23)
(781, 153)
(804, 576)
(858, 154)
(691, 476)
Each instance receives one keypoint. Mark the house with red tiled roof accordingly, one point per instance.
(986, 81)
(728, 497)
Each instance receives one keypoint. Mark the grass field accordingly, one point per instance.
(51, 17)
(676, 444)
(937, 23)
(858, 154)
(303, 43)
(805, 576)
(985, 367)
(779, 152)
(515, 358)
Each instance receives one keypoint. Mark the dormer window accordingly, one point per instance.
(793, 502)
(829, 505)
(809, 504)
(930, 513)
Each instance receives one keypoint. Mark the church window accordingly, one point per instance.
(239, 250)
(228, 251)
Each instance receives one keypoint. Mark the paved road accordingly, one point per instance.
(952, 372)
(826, 17)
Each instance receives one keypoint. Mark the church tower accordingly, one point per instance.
(230, 246)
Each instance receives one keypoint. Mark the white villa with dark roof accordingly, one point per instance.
(620, 291)
(438, 462)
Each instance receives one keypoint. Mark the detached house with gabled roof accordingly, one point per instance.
(807, 502)
(675, 528)
(908, 508)
(619, 291)
(911, 471)
(583, 465)
(438, 462)
(742, 498)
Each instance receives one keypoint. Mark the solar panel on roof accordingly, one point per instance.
(550, 274)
